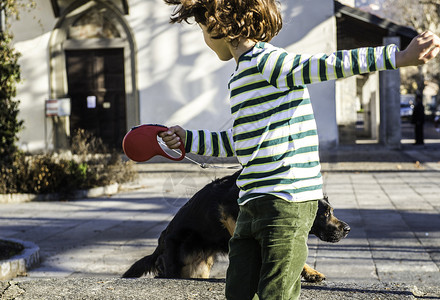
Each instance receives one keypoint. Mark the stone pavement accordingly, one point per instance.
(168, 289)
(389, 198)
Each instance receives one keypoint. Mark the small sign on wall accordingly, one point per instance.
(91, 101)
(58, 107)
(51, 108)
(64, 107)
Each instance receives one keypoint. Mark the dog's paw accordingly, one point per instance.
(311, 275)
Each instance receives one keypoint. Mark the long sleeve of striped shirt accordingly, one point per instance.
(210, 143)
(288, 70)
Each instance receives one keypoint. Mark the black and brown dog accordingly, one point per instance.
(202, 228)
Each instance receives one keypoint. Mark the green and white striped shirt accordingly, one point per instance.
(274, 133)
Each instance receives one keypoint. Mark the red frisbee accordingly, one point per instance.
(140, 143)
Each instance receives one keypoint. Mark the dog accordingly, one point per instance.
(202, 228)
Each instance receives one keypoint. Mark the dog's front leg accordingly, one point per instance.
(197, 265)
(311, 275)
(227, 220)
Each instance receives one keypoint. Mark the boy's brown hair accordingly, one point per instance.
(258, 20)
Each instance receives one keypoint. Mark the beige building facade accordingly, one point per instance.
(120, 63)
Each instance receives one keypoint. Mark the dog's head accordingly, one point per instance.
(327, 227)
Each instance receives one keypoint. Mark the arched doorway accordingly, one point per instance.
(92, 62)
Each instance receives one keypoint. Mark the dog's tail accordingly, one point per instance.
(143, 266)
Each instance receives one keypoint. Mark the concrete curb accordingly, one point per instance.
(81, 194)
(19, 264)
(178, 289)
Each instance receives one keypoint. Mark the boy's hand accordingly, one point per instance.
(422, 48)
(173, 137)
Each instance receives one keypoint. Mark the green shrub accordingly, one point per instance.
(9, 123)
(49, 176)
(82, 168)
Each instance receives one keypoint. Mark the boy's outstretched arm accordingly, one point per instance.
(422, 48)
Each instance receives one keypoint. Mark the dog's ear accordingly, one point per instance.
(325, 199)
(324, 203)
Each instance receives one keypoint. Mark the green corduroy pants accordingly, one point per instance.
(269, 249)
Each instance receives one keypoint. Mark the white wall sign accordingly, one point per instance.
(91, 101)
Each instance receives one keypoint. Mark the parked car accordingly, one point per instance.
(406, 106)
(406, 110)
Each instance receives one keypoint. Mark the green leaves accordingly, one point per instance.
(9, 123)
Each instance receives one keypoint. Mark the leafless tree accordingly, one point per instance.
(421, 15)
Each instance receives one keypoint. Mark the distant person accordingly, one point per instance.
(418, 119)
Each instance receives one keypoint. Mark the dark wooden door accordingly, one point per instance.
(97, 91)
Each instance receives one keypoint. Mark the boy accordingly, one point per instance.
(274, 135)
